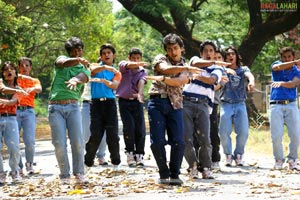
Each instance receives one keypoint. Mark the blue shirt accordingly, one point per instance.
(100, 90)
(283, 93)
(234, 91)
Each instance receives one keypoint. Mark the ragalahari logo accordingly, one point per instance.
(288, 6)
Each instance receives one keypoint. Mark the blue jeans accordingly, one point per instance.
(163, 117)
(197, 127)
(132, 115)
(86, 122)
(65, 119)
(27, 121)
(233, 113)
(10, 134)
(280, 115)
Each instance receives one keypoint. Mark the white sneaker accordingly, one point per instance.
(130, 159)
(29, 168)
(15, 176)
(2, 177)
(139, 160)
(193, 173)
(215, 166)
(239, 160)
(79, 178)
(278, 165)
(116, 168)
(293, 165)
(228, 161)
(207, 174)
(102, 161)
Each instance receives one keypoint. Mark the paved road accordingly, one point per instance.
(255, 181)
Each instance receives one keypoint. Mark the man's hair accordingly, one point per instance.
(24, 59)
(238, 57)
(220, 51)
(10, 63)
(207, 42)
(135, 50)
(107, 46)
(286, 49)
(172, 38)
(73, 43)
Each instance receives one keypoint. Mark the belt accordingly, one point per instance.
(159, 96)
(103, 99)
(87, 101)
(284, 102)
(24, 107)
(129, 99)
(195, 99)
(63, 102)
(6, 114)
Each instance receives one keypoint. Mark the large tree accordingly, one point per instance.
(181, 17)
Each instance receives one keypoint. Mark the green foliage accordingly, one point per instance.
(13, 30)
(40, 107)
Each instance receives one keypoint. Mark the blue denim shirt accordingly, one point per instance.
(234, 91)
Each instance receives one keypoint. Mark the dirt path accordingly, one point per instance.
(255, 181)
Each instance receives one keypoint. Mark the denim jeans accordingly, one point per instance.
(86, 122)
(27, 121)
(214, 134)
(280, 115)
(163, 117)
(132, 115)
(197, 127)
(9, 132)
(104, 118)
(66, 119)
(233, 113)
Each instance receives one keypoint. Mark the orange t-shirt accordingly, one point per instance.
(27, 83)
(10, 109)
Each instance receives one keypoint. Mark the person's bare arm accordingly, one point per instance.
(70, 62)
(164, 68)
(135, 65)
(206, 79)
(172, 81)
(285, 65)
(251, 83)
(288, 84)
(80, 78)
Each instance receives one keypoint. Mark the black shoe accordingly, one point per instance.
(89, 164)
(164, 181)
(176, 181)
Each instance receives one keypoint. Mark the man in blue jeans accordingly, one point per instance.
(283, 107)
(64, 115)
(165, 108)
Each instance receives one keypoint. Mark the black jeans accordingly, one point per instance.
(103, 118)
(132, 115)
(214, 134)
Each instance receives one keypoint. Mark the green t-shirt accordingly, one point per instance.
(59, 89)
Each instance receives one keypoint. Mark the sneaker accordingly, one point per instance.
(215, 166)
(228, 161)
(116, 168)
(130, 159)
(207, 174)
(15, 176)
(139, 160)
(278, 165)
(29, 168)
(164, 181)
(102, 161)
(193, 172)
(79, 178)
(293, 165)
(239, 160)
(2, 177)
